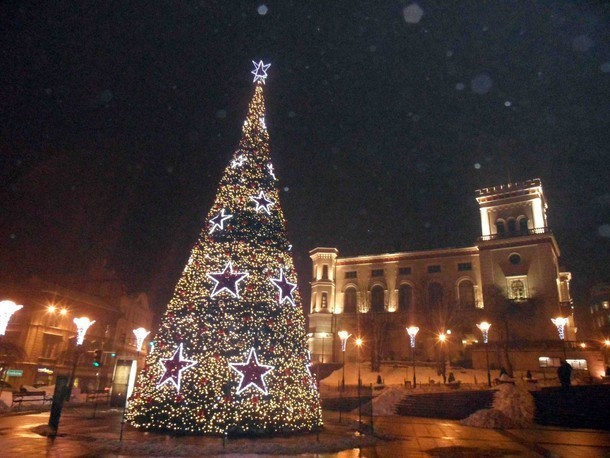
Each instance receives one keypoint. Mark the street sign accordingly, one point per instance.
(14, 373)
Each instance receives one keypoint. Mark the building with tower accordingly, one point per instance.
(510, 278)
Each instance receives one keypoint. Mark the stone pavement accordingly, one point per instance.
(404, 437)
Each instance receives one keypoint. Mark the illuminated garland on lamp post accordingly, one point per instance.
(7, 308)
(343, 335)
(560, 323)
(82, 325)
(412, 331)
(484, 327)
(359, 345)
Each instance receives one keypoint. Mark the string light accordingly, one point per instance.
(249, 372)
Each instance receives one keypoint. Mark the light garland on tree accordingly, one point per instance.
(247, 356)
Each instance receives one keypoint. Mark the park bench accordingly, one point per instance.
(30, 397)
(97, 396)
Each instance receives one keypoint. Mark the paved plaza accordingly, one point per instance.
(80, 435)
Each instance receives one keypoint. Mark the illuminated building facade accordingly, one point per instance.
(40, 340)
(510, 277)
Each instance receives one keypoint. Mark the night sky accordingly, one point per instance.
(118, 118)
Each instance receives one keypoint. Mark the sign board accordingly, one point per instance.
(14, 373)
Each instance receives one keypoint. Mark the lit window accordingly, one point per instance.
(517, 287)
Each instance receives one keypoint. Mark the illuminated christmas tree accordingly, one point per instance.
(231, 354)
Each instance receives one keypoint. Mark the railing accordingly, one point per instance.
(508, 235)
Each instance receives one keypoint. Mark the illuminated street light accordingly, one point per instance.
(140, 334)
(484, 327)
(82, 324)
(7, 308)
(560, 323)
(412, 331)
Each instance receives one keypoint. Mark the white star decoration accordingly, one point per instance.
(173, 367)
(270, 168)
(286, 288)
(262, 202)
(219, 220)
(252, 373)
(260, 71)
(227, 280)
(238, 162)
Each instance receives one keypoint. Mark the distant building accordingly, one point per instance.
(510, 278)
(40, 340)
(599, 305)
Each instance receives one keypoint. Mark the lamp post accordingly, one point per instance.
(359, 345)
(7, 308)
(82, 324)
(412, 331)
(140, 334)
(560, 322)
(484, 327)
(442, 338)
(343, 335)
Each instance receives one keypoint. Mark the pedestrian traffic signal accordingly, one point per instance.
(97, 358)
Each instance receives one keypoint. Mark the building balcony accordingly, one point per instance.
(508, 235)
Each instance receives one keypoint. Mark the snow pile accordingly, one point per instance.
(385, 403)
(513, 407)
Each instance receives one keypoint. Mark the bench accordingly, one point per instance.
(96, 396)
(21, 397)
(454, 385)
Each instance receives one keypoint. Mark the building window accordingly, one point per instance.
(404, 271)
(523, 226)
(351, 274)
(466, 293)
(517, 288)
(435, 295)
(377, 273)
(51, 344)
(324, 300)
(545, 361)
(405, 297)
(434, 269)
(324, 272)
(500, 228)
(464, 266)
(377, 299)
(349, 301)
(578, 364)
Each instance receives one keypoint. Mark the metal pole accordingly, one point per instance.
(487, 360)
(343, 376)
(413, 361)
(359, 383)
(125, 403)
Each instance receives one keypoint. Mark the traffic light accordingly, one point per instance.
(97, 358)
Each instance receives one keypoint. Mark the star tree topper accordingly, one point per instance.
(219, 220)
(286, 288)
(173, 368)
(260, 71)
(227, 280)
(252, 373)
(262, 202)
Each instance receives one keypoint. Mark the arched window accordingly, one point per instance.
(349, 301)
(435, 295)
(523, 226)
(500, 228)
(377, 299)
(405, 297)
(324, 272)
(466, 293)
(324, 303)
(512, 225)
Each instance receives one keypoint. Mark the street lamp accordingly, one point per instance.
(140, 334)
(7, 308)
(412, 331)
(343, 335)
(560, 322)
(359, 345)
(82, 325)
(484, 327)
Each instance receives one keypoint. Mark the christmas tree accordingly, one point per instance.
(231, 353)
